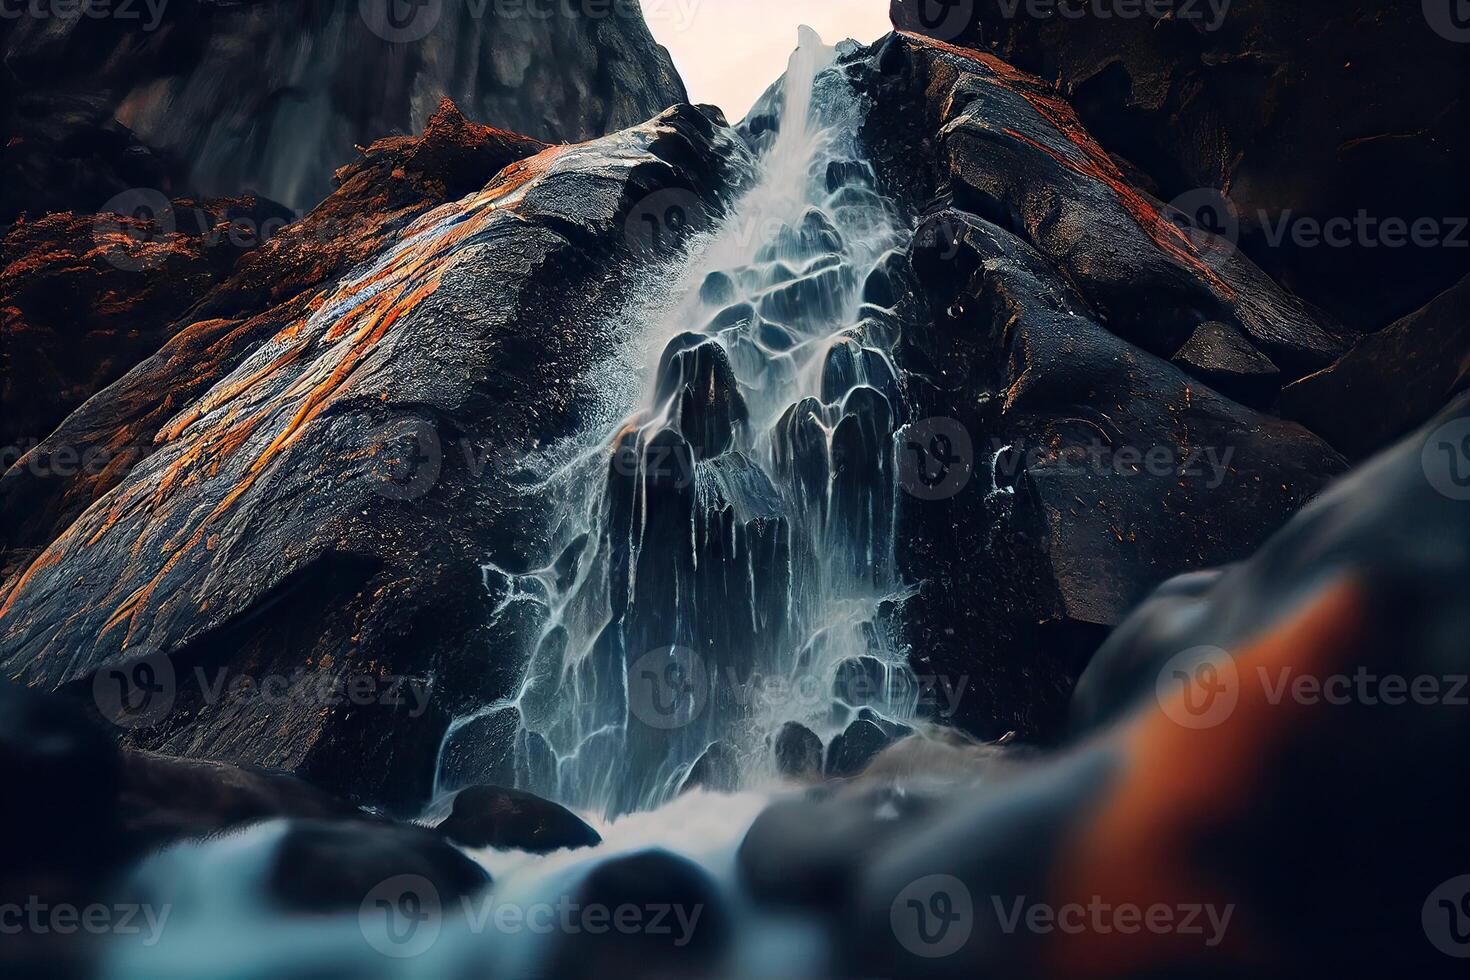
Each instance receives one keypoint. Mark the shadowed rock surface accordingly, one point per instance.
(1094, 469)
(1162, 796)
(85, 300)
(219, 97)
(1304, 111)
(1391, 381)
(305, 510)
(507, 819)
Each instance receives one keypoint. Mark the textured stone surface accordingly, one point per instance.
(308, 508)
(1303, 112)
(1391, 381)
(1049, 295)
(217, 97)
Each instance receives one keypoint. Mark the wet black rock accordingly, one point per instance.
(1220, 357)
(717, 770)
(809, 852)
(512, 820)
(1309, 113)
(709, 406)
(718, 289)
(322, 518)
(855, 749)
(1391, 381)
(691, 936)
(850, 173)
(320, 867)
(1053, 437)
(106, 104)
(798, 751)
(165, 799)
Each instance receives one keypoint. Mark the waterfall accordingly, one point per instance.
(724, 562)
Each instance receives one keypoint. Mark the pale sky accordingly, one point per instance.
(729, 51)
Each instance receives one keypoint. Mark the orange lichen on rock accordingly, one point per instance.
(1090, 159)
(328, 350)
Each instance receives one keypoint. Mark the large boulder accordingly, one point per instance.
(1304, 112)
(86, 299)
(1061, 466)
(214, 98)
(1391, 381)
(1336, 654)
(508, 819)
(298, 558)
(320, 867)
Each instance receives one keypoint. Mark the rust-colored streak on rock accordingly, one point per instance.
(1093, 162)
(1179, 786)
(373, 304)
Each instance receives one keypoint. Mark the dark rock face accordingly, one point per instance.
(165, 799)
(1061, 467)
(508, 819)
(798, 751)
(1219, 356)
(1312, 649)
(696, 933)
(86, 299)
(808, 853)
(269, 95)
(717, 770)
(320, 867)
(852, 751)
(1307, 111)
(1391, 381)
(302, 515)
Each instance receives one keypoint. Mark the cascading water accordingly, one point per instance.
(724, 562)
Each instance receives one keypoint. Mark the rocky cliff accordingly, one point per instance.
(214, 98)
